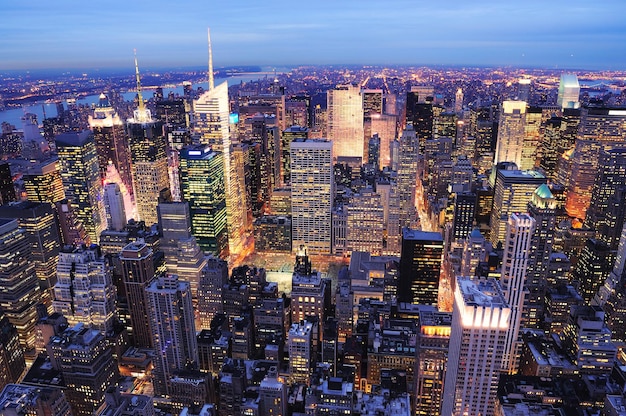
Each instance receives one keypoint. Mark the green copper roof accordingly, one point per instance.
(543, 191)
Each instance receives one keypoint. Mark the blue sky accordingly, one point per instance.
(76, 34)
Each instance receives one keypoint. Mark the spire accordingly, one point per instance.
(141, 114)
(211, 80)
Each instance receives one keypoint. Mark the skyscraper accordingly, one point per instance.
(138, 272)
(79, 170)
(513, 191)
(420, 265)
(511, 132)
(173, 329)
(84, 292)
(148, 156)
(569, 92)
(607, 207)
(43, 182)
(431, 359)
(542, 208)
(19, 287)
(480, 323)
(312, 194)
(84, 358)
(407, 176)
(7, 189)
(39, 221)
(519, 232)
(601, 128)
(114, 207)
(12, 363)
(212, 280)
(111, 140)
(211, 115)
(345, 121)
(203, 187)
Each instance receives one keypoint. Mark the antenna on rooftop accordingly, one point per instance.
(211, 80)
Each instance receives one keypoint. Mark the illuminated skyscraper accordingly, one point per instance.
(431, 359)
(12, 363)
(293, 132)
(569, 92)
(345, 121)
(601, 128)
(420, 266)
(114, 207)
(407, 176)
(542, 208)
(519, 232)
(79, 170)
(419, 112)
(84, 292)
(111, 141)
(7, 189)
(365, 223)
(43, 182)
(85, 360)
(203, 187)
(148, 155)
(301, 352)
(39, 221)
(211, 121)
(138, 272)
(511, 132)
(173, 329)
(385, 126)
(480, 323)
(607, 207)
(312, 194)
(513, 191)
(212, 280)
(19, 287)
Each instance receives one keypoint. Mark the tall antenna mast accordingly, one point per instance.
(142, 110)
(211, 80)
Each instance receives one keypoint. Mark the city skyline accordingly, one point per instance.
(555, 35)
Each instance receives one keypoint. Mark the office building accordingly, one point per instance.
(273, 395)
(419, 112)
(601, 129)
(607, 207)
(310, 293)
(464, 214)
(407, 176)
(84, 358)
(345, 121)
(203, 187)
(84, 292)
(569, 92)
(519, 231)
(385, 126)
(78, 163)
(587, 341)
(114, 207)
(420, 266)
(7, 189)
(431, 359)
(592, 268)
(293, 132)
(542, 208)
(137, 273)
(301, 353)
(22, 399)
(480, 323)
(43, 182)
(511, 133)
(212, 280)
(173, 330)
(19, 287)
(111, 140)
(513, 191)
(272, 233)
(211, 112)
(12, 364)
(312, 194)
(364, 223)
(41, 226)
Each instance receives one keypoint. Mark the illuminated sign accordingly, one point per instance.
(233, 118)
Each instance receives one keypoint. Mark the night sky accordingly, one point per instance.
(75, 34)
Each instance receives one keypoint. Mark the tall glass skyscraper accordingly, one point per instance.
(203, 187)
(79, 171)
